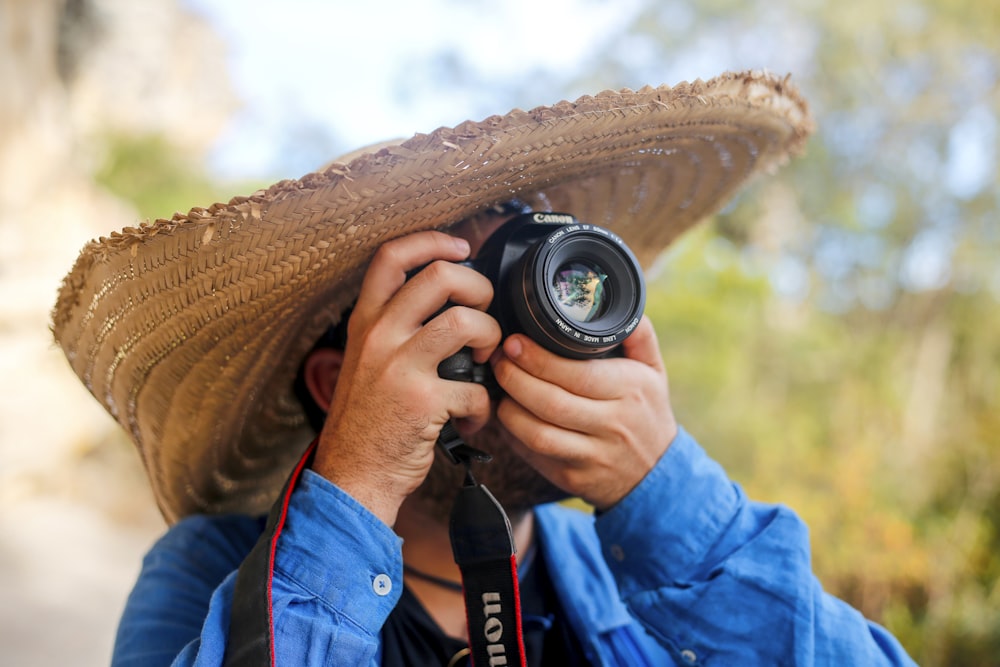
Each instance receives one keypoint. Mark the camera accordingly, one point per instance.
(574, 288)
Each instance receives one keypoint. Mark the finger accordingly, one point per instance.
(642, 345)
(591, 378)
(387, 272)
(435, 285)
(450, 331)
(547, 401)
(542, 444)
(470, 404)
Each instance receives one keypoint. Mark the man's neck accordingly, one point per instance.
(427, 550)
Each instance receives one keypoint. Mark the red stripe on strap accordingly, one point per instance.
(289, 489)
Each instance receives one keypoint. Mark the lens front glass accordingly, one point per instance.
(579, 291)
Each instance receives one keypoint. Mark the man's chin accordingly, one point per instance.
(516, 485)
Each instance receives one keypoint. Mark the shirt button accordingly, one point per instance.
(689, 656)
(617, 552)
(382, 585)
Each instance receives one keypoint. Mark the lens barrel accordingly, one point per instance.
(578, 290)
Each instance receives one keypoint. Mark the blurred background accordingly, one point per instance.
(833, 335)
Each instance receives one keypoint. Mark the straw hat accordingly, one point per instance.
(189, 331)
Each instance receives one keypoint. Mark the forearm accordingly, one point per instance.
(333, 578)
(726, 579)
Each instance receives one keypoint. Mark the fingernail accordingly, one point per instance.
(461, 244)
(512, 346)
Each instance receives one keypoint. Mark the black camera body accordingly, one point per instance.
(574, 288)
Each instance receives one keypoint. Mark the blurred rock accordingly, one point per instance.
(75, 511)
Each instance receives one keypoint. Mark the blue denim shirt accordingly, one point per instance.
(684, 570)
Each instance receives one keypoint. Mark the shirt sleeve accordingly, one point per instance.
(170, 600)
(719, 579)
(337, 573)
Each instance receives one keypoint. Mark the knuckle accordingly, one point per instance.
(388, 253)
(456, 318)
(438, 272)
(471, 324)
(454, 325)
(465, 285)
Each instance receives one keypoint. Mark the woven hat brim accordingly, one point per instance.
(189, 331)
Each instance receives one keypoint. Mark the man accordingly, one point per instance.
(190, 332)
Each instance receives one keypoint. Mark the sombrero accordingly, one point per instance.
(189, 331)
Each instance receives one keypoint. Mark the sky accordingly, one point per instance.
(342, 85)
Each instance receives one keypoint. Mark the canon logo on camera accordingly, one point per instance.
(560, 218)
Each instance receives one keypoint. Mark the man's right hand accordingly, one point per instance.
(389, 403)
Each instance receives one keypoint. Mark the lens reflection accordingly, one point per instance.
(578, 289)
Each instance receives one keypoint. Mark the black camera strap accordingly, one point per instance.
(483, 546)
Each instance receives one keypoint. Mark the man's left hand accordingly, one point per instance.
(595, 427)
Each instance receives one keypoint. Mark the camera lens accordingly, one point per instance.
(578, 290)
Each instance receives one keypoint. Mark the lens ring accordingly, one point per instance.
(589, 324)
(621, 279)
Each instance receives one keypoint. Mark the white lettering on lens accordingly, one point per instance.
(563, 231)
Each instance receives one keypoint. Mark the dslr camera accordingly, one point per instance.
(574, 288)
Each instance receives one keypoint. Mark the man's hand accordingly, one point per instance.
(389, 403)
(594, 428)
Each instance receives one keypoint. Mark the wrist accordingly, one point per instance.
(379, 494)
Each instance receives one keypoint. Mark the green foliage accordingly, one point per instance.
(157, 178)
(879, 428)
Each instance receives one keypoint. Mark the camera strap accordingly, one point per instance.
(483, 545)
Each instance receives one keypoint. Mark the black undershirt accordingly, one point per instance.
(411, 637)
